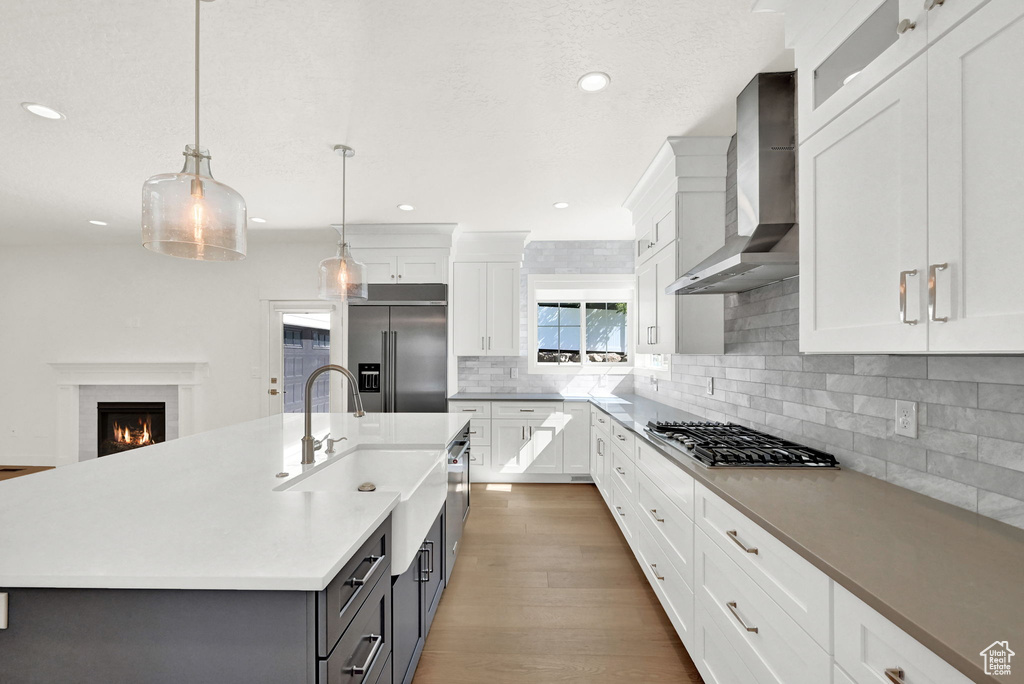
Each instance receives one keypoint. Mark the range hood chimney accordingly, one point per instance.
(766, 249)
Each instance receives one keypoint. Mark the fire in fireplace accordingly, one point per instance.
(129, 425)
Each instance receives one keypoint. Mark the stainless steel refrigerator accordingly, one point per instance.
(398, 348)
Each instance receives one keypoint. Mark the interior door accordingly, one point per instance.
(367, 326)
(469, 308)
(976, 188)
(511, 451)
(545, 438)
(419, 335)
(864, 220)
(502, 309)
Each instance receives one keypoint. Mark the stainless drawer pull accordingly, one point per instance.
(526, 410)
(430, 555)
(931, 292)
(619, 509)
(620, 438)
(654, 567)
(465, 410)
(732, 608)
(732, 535)
(906, 25)
(903, 297)
(360, 581)
(654, 514)
(378, 641)
(895, 675)
(619, 470)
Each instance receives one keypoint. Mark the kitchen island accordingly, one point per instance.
(129, 568)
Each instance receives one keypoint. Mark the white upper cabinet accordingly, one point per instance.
(404, 265)
(485, 307)
(678, 209)
(908, 199)
(975, 183)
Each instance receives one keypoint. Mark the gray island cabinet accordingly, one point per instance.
(340, 634)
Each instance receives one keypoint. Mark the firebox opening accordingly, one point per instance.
(129, 425)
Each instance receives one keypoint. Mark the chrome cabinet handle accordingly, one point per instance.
(895, 674)
(600, 446)
(371, 656)
(903, 296)
(732, 535)
(932, 270)
(430, 555)
(526, 410)
(531, 432)
(654, 514)
(620, 438)
(482, 343)
(466, 410)
(905, 26)
(488, 342)
(524, 432)
(732, 608)
(618, 509)
(654, 567)
(360, 581)
(656, 335)
(932, 4)
(619, 470)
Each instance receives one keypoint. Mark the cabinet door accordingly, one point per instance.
(381, 267)
(646, 306)
(502, 310)
(597, 458)
(976, 188)
(469, 309)
(546, 445)
(407, 620)
(664, 336)
(863, 215)
(663, 230)
(576, 438)
(423, 267)
(511, 451)
(433, 556)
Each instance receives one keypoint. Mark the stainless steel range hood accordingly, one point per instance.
(766, 249)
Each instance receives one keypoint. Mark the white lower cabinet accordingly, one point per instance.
(868, 647)
(622, 506)
(713, 655)
(576, 438)
(669, 526)
(771, 644)
(675, 594)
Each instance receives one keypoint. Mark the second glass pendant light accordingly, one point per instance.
(341, 277)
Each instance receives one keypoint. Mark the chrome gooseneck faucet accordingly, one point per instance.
(309, 445)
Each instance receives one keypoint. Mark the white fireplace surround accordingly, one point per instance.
(72, 376)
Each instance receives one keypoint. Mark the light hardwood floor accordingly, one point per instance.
(547, 590)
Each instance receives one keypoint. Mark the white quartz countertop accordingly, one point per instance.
(201, 512)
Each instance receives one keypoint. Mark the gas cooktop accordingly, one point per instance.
(717, 445)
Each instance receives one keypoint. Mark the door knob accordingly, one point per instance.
(274, 392)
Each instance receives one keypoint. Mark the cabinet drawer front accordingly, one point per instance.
(867, 644)
(386, 673)
(763, 634)
(672, 590)
(622, 510)
(526, 410)
(363, 651)
(672, 530)
(339, 602)
(801, 589)
(714, 655)
(622, 470)
(673, 482)
(480, 431)
(479, 409)
(600, 420)
(479, 457)
(624, 438)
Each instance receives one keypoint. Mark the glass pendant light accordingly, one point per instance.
(189, 214)
(341, 276)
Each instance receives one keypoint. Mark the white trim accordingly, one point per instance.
(71, 376)
(273, 347)
(623, 285)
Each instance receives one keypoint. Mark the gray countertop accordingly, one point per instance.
(950, 578)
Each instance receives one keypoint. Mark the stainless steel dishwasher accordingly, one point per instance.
(457, 503)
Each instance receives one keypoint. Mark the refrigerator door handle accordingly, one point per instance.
(392, 370)
(384, 370)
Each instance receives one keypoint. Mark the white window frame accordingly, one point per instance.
(581, 288)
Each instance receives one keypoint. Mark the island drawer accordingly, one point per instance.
(363, 651)
(338, 604)
(476, 409)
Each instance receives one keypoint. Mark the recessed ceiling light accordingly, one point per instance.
(406, 207)
(594, 81)
(257, 219)
(561, 205)
(97, 223)
(42, 110)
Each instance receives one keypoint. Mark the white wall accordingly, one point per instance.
(124, 303)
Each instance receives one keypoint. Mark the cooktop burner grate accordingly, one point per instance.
(727, 444)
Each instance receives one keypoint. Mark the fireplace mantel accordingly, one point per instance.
(186, 376)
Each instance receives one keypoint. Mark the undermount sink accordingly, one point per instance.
(418, 476)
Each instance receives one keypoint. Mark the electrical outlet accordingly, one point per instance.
(513, 373)
(654, 383)
(711, 386)
(906, 418)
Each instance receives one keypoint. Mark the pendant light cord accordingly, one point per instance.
(344, 162)
(198, 155)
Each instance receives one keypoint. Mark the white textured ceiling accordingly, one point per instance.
(466, 109)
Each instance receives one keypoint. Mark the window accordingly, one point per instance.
(574, 333)
(321, 339)
(292, 337)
